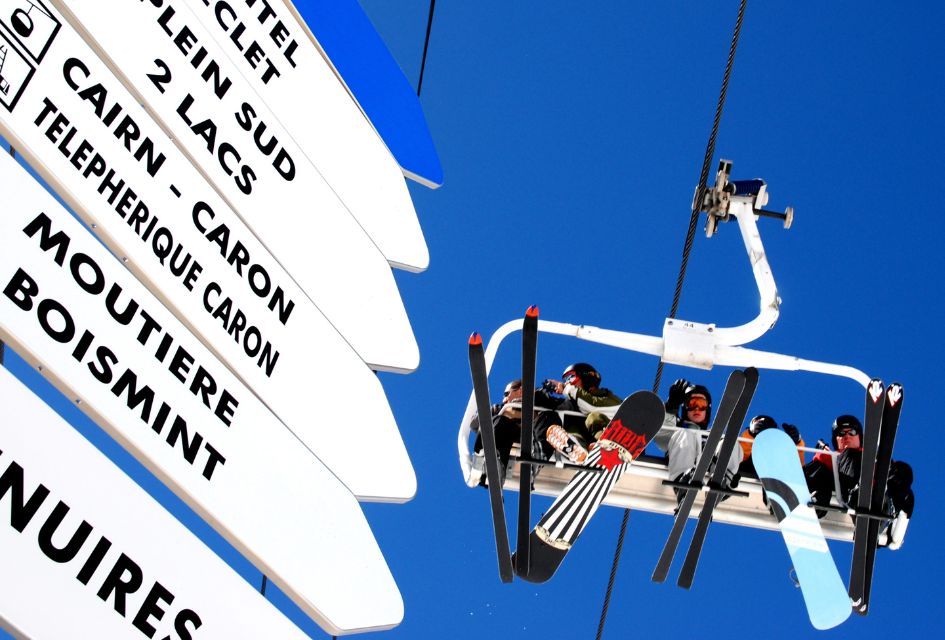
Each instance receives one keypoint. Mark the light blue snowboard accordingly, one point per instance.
(825, 595)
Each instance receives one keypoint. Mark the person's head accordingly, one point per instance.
(513, 391)
(759, 424)
(697, 405)
(847, 432)
(581, 375)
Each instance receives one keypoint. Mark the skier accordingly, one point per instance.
(689, 406)
(847, 436)
(582, 393)
(756, 426)
(507, 426)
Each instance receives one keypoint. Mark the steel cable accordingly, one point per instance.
(684, 263)
(426, 45)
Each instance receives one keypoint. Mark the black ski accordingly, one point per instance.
(477, 367)
(529, 353)
(733, 390)
(872, 425)
(732, 430)
(634, 425)
(892, 409)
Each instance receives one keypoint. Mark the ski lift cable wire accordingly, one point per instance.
(684, 262)
(426, 45)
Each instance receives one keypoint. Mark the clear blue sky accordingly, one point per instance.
(571, 142)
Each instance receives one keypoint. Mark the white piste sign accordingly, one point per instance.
(176, 69)
(281, 63)
(70, 308)
(86, 135)
(87, 553)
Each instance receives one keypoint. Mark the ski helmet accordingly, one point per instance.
(588, 375)
(760, 423)
(697, 390)
(846, 422)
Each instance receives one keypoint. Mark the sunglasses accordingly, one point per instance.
(511, 390)
(697, 405)
(847, 433)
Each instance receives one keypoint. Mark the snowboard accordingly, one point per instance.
(637, 420)
(825, 595)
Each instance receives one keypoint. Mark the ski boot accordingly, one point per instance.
(566, 444)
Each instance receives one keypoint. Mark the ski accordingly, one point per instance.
(892, 409)
(477, 367)
(825, 595)
(729, 441)
(733, 390)
(872, 424)
(637, 420)
(529, 354)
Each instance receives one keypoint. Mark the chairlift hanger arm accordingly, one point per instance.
(742, 200)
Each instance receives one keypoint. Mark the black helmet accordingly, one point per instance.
(759, 424)
(589, 376)
(846, 422)
(697, 389)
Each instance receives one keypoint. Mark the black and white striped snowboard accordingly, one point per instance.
(634, 425)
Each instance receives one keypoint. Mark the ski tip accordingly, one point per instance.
(532, 311)
(475, 339)
(894, 393)
(875, 389)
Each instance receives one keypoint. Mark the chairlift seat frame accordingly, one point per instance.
(696, 345)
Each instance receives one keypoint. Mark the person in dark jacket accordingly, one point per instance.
(506, 424)
(847, 435)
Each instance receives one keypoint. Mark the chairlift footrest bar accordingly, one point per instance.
(695, 486)
(689, 486)
(868, 515)
(831, 507)
(727, 492)
(552, 463)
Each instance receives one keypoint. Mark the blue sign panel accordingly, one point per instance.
(360, 56)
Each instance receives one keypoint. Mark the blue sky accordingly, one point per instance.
(571, 142)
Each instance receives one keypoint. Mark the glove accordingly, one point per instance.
(792, 431)
(550, 387)
(677, 393)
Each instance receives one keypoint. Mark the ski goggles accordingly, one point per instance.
(569, 377)
(697, 404)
